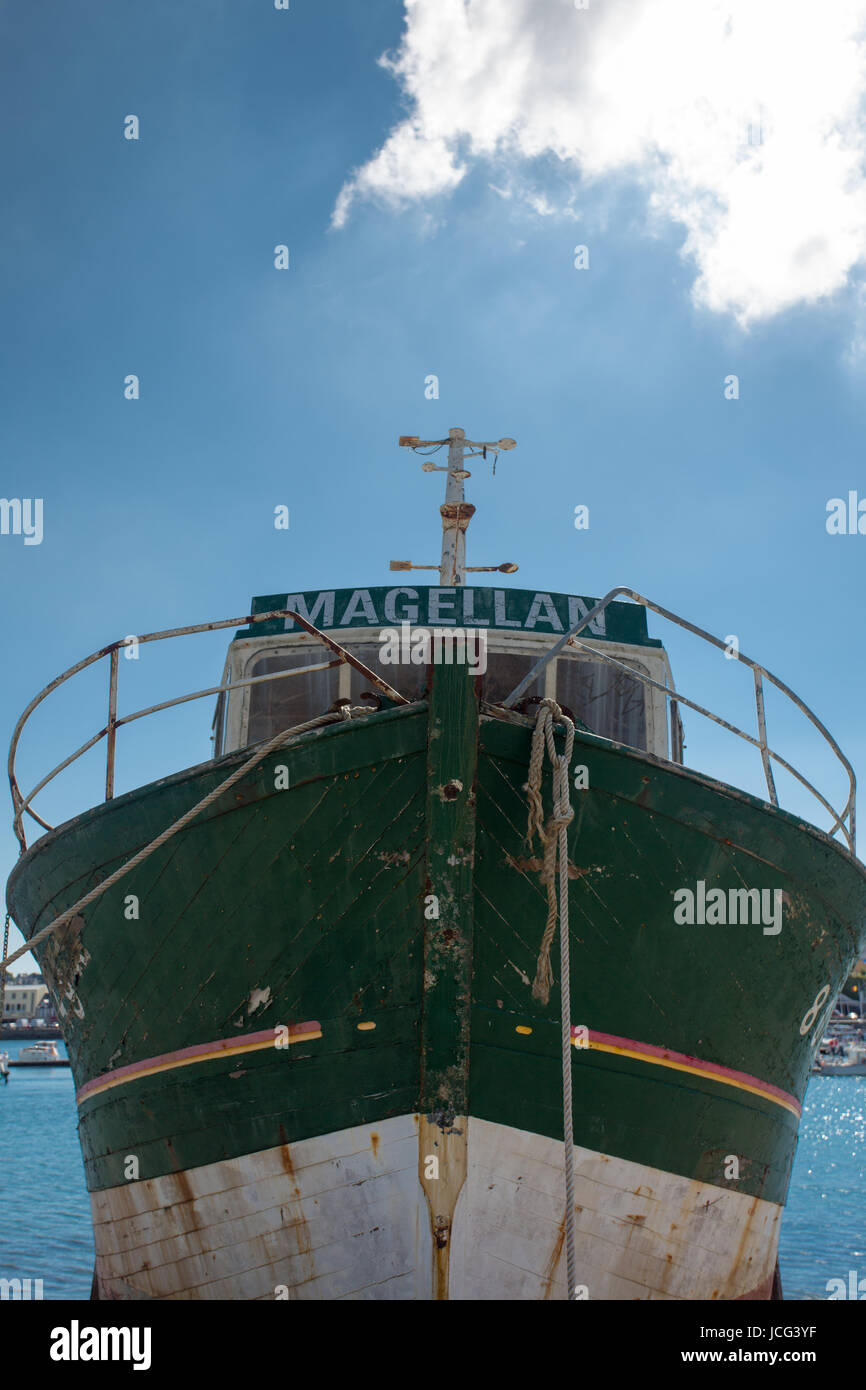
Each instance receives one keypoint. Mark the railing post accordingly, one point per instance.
(762, 734)
(676, 741)
(112, 726)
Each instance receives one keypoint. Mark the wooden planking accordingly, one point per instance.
(341, 1216)
(641, 1233)
(643, 832)
(344, 1216)
(263, 879)
(174, 1120)
(729, 996)
(313, 894)
(66, 863)
(627, 1106)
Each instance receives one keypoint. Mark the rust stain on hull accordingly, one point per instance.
(555, 1256)
(293, 1215)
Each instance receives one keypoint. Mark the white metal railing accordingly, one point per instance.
(22, 804)
(842, 821)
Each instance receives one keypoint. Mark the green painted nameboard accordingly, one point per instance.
(518, 610)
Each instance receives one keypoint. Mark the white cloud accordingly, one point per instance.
(742, 120)
(541, 203)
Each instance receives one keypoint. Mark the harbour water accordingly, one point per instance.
(45, 1230)
(823, 1234)
(45, 1215)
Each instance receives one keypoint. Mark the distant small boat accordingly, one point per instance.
(41, 1054)
(4, 1065)
(850, 1063)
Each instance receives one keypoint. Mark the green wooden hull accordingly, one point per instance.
(313, 908)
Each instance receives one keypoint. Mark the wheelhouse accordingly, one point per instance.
(518, 627)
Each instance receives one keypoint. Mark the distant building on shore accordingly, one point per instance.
(24, 995)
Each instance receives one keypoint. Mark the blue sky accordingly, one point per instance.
(261, 387)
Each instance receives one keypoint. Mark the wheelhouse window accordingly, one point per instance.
(281, 704)
(505, 670)
(406, 678)
(608, 701)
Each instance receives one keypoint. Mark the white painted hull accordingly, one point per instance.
(347, 1215)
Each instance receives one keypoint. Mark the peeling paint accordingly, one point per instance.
(396, 856)
(259, 999)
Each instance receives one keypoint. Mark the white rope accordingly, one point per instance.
(554, 837)
(347, 712)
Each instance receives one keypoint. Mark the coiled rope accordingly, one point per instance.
(285, 735)
(554, 838)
